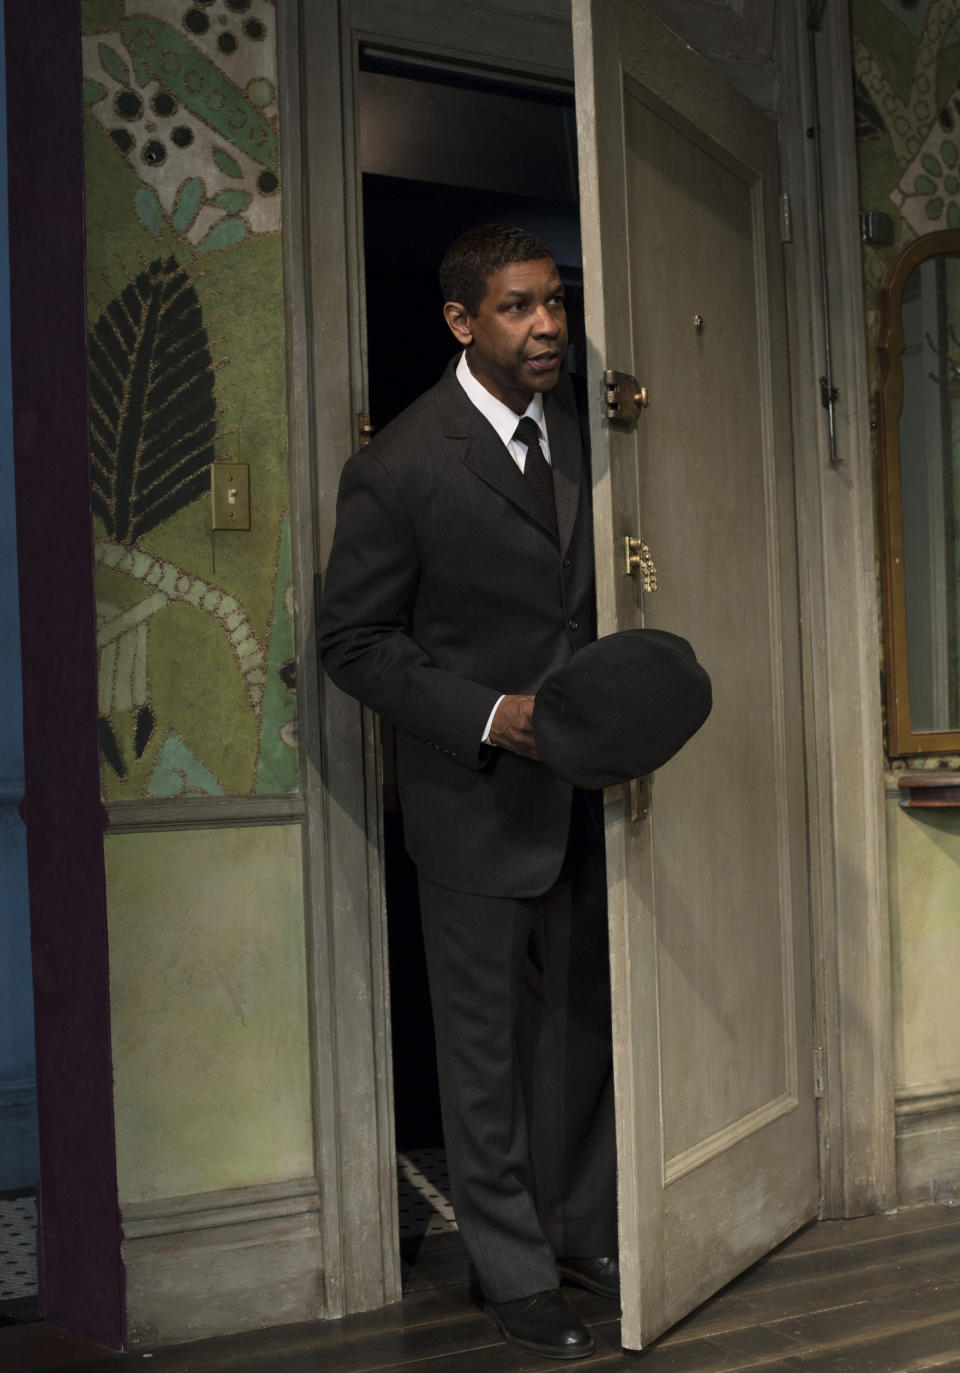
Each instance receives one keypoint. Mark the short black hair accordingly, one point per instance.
(476, 255)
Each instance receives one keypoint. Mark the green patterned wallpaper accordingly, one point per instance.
(187, 367)
(907, 70)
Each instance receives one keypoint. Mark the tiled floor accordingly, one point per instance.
(431, 1252)
(18, 1245)
(424, 1190)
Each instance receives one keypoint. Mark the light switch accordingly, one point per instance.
(230, 495)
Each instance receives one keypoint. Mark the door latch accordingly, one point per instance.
(624, 397)
(638, 558)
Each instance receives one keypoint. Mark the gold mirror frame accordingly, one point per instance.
(903, 740)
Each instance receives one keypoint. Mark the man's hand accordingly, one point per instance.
(512, 726)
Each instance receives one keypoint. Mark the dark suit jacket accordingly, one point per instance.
(444, 589)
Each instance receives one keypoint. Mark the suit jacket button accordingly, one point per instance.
(574, 624)
(567, 562)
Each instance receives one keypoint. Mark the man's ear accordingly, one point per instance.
(459, 321)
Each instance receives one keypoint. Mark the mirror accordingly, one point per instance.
(919, 424)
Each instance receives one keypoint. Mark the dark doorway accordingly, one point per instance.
(440, 152)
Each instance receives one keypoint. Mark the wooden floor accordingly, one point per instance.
(882, 1293)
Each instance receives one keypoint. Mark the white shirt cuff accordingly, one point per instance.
(486, 732)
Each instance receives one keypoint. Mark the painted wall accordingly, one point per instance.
(924, 905)
(209, 1010)
(907, 60)
(19, 1159)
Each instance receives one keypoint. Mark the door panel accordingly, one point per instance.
(708, 902)
(712, 547)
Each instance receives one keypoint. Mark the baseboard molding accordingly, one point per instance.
(218, 1263)
(928, 1144)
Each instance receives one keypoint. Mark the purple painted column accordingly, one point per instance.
(81, 1275)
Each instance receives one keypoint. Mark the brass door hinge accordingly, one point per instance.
(365, 430)
(624, 397)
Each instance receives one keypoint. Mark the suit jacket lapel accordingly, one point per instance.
(482, 451)
(566, 457)
(480, 448)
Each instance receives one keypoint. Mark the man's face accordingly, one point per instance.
(516, 341)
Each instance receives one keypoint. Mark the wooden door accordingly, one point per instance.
(708, 886)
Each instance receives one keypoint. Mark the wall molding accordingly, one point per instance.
(216, 1263)
(928, 1099)
(928, 1143)
(203, 812)
(229, 1206)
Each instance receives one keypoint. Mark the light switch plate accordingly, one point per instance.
(230, 495)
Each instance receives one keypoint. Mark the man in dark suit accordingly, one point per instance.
(461, 575)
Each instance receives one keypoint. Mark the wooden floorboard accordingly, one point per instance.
(875, 1295)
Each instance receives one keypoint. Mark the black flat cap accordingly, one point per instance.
(621, 707)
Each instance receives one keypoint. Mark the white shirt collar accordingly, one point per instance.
(503, 419)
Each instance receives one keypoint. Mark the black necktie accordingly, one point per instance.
(536, 469)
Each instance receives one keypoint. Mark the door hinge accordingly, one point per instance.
(623, 396)
(639, 798)
(786, 218)
(818, 1073)
(365, 430)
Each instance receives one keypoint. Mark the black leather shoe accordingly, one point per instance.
(545, 1324)
(596, 1275)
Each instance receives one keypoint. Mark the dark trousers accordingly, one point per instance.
(521, 1003)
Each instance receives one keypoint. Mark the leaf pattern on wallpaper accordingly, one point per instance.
(110, 747)
(168, 583)
(153, 414)
(144, 730)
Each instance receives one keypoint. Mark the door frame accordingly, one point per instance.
(80, 1273)
(348, 976)
(839, 607)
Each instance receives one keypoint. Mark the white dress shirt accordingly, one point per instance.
(505, 421)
